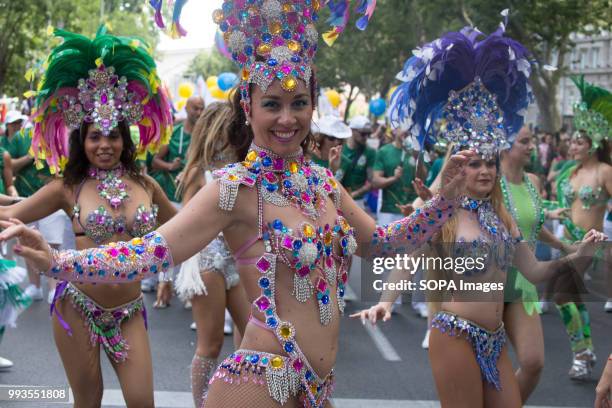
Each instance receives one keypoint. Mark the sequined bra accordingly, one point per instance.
(587, 195)
(100, 225)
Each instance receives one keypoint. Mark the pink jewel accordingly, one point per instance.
(262, 154)
(307, 13)
(239, 3)
(262, 303)
(288, 242)
(305, 197)
(125, 251)
(292, 18)
(327, 187)
(263, 264)
(286, 69)
(159, 252)
(238, 358)
(328, 172)
(270, 177)
(278, 41)
(104, 99)
(344, 277)
(301, 28)
(307, 171)
(255, 21)
(233, 20)
(321, 285)
(303, 271)
(113, 252)
(329, 262)
(298, 365)
(278, 163)
(242, 58)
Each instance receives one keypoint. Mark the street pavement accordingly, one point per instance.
(380, 367)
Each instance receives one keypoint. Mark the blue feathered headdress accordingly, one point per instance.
(470, 91)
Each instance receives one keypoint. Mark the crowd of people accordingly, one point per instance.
(253, 211)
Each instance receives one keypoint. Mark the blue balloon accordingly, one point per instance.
(227, 80)
(378, 106)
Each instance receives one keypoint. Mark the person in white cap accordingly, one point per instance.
(13, 122)
(330, 133)
(357, 160)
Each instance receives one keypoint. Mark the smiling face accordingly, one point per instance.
(522, 148)
(280, 120)
(481, 176)
(580, 147)
(102, 151)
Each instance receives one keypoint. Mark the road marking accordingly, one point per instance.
(178, 399)
(382, 343)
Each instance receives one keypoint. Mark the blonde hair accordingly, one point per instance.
(209, 138)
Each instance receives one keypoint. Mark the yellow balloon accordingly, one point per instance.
(333, 96)
(181, 104)
(185, 90)
(393, 88)
(216, 93)
(211, 81)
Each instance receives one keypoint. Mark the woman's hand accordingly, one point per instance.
(406, 209)
(586, 248)
(603, 392)
(453, 174)
(558, 213)
(381, 310)
(421, 189)
(30, 243)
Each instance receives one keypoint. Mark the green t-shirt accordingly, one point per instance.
(354, 169)
(178, 146)
(401, 192)
(29, 179)
(434, 171)
(323, 163)
(2, 187)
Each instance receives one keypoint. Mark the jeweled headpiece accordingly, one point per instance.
(277, 39)
(102, 81)
(478, 88)
(593, 115)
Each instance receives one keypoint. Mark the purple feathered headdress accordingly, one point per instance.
(467, 91)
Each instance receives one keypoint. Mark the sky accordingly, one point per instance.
(196, 18)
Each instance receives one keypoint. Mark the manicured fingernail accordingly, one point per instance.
(17, 248)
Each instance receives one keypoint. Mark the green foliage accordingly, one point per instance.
(208, 63)
(24, 42)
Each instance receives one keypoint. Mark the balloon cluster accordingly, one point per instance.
(220, 87)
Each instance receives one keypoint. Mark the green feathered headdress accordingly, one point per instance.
(593, 115)
(101, 81)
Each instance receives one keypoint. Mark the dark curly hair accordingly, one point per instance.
(241, 135)
(76, 168)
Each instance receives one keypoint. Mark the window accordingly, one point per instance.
(594, 57)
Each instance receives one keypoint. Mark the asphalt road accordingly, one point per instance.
(376, 368)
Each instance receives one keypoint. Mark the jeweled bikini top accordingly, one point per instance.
(100, 224)
(587, 195)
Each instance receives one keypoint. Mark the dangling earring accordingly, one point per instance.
(246, 122)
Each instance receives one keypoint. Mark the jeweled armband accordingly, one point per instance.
(411, 232)
(114, 263)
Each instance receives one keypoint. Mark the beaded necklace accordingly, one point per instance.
(537, 206)
(291, 180)
(487, 217)
(110, 186)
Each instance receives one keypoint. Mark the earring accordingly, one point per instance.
(246, 122)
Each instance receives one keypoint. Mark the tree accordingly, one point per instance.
(210, 62)
(545, 28)
(368, 61)
(24, 41)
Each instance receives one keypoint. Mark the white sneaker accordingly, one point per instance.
(187, 305)
(228, 326)
(33, 292)
(192, 326)
(5, 363)
(50, 296)
(421, 309)
(608, 306)
(425, 343)
(544, 306)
